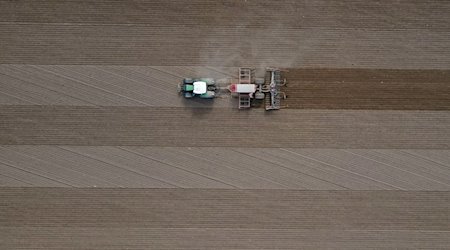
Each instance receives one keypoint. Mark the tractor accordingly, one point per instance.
(249, 90)
(204, 88)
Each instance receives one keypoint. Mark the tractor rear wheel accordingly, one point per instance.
(209, 81)
(188, 81)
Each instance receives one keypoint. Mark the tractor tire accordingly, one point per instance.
(188, 81)
(208, 95)
(209, 81)
(259, 95)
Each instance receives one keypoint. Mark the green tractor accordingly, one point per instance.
(204, 88)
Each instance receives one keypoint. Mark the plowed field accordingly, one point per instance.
(99, 151)
(68, 125)
(368, 89)
(58, 218)
(333, 34)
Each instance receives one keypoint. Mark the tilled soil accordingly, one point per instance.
(368, 89)
(363, 75)
(55, 218)
(308, 88)
(74, 125)
(406, 34)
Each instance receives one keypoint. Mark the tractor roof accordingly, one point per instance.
(199, 87)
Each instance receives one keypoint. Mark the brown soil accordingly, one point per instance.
(74, 125)
(64, 218)
(368, 89)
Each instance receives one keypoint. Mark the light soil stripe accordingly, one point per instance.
(184, 168)
(236, 170)
(37, 174)
(24, 73)
(186, 180)
(109, 163)
(295, 170)
(88, 85)
(345, 170)
(403, 170)
(87, 177)
(426, 158)
(102, 89)
(15, 179)
(13, 99)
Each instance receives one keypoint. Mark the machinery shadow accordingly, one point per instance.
(199, 107)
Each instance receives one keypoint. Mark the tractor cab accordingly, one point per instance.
(199, 88)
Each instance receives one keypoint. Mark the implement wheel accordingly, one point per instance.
(259, 81)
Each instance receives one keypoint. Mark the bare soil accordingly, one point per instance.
(206, 127)
(368, 89)
(55, 218)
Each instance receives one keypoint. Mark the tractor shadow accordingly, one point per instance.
(199, 108)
